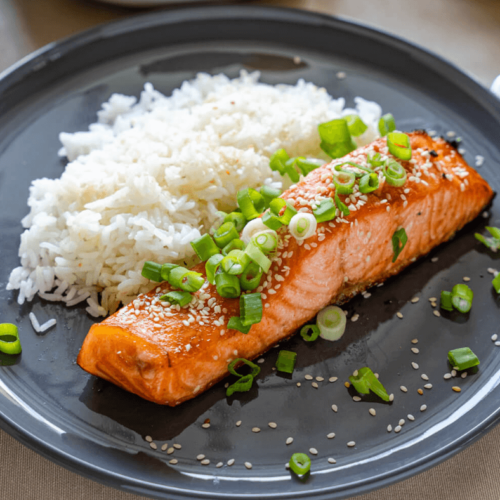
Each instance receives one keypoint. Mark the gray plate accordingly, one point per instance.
(98, 430)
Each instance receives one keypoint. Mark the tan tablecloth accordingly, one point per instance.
(467, 32)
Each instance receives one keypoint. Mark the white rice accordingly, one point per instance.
(150, 176)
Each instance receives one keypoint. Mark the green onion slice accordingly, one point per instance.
(461, 298)
(325, 211)
(282, 209)
(205, 247)
(303, 226)
(269, 193)
(375, 159)
(307, 165)
(278, 161)
(496, 283)
(446, 302)
(309, 337)
(286, 361)
(9, 339)
(368, 183)
(386, 124)
(492, 243)
(462, 358)
(338, 150)
(399, 145)
(334, 131)
(331, 322)
(250, 309)
(225, 234)
(271, 221)
(399, 240)
(267, 241)
(180, 298)
(252, 228)
(250, 277)
(338, 167)
(290, 170)
(235, 244)
(212, 266)
(344, 182)
(355, 125)
(165, 270)
(186, 280)
(235, 262)
(152, 271)
(365, 381)
(235, 323)
(341, 206)
(244, 384)
(394, 172)
(300, 463)
(251, 203)
(231, 367)
(238, 219)
(258, 257)
(228, 285)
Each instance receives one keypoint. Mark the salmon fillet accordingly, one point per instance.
(167, 354)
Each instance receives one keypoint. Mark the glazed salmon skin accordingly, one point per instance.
(168, 354)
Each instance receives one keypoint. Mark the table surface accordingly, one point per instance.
(466, 32)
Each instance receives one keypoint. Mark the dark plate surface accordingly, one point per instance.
(98, 430)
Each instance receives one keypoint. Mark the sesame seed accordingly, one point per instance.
(403, 388)
(331, 435)
(333, 379)
(428, 386)
(466, 278)
(356, 398)
(177, 446)
(205, 426)
(308, 377)
(401, 422)
(355, 373)
(456, 388)
(411, 417)
(347, 385)
(298, 384)
(447, 376)
(174, 461)
(289, 440)
(391, 397)
(414, 300)
(423, 408)
(376, 375)
(260, 361)
(335, 408)
(170, 451)
(415, 365)
(315, 385)
(436, 313)
(164, 447)
(332, 461)
(219, 465)
(372, 412)
(273, 425)
(389, 428)
(399, 315)
(248, 465)
(397, 428)
(313, 451)
(420, 391)
(464, 374)
(453, 373)
(424, 376)
(493, 337)
(341, 75)
(238, 423)
(414, 341)
(497, 343)
(415, 350)
(434, 259)
(230, 462)
(200, 457)
(351, 444)
(355, 318)
(149, 439)
(255, 429)
(320, 379)
(153, 446)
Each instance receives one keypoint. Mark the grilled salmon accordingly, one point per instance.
(169, 354)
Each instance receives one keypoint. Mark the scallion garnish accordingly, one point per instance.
(152, 271)
(338, 168)
(243, 384)
(462, 358)
(251, 203)
(461, 298)
(252, 228)
(180, 298)
(238, 219)
(309, 337)
(368, 183)
(165, 270)
(399, 240)
(205, 247)
(365, 381)
(399, 145)
(355, 125)
(251, 276)
(375, 159)
(250, 309)
(303, 226)
(331, 322)
(271, 221)
(496, 283)
(338, 150)
(307, 165)
(394, 172)
(245, 381)
(267, 241)
(492, 243)
(235, 244)
(286, 361)
(341, 206)
(446, 302)
(235, 262)
(336, 139)
(386, 124)
(212, 266)
(278, 160)
(225, 234)
(186, 280)
(300, 463)
(269, 193)
(283, 210)
(235, 323)
(228, 285)
(325, 211)
(257, 256)
(344, 182)
(9, 339)
(290, 170)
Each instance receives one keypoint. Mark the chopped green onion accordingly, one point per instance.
(180, 298)
(252, 228)
(244, 384)
(9, 339)
(165, 270)
(290, 170)
(375, 159)
(235, 244)
(399, 145)
(278, 160)
(355, 125)
(446, 302)
(394, 172)
(492, 243)
(238, 219)
(225, 234)
(258, 257)
(286, 361)
(386, 124)
(152, 271)
(251, 203)
(339, 168)
(282, 209)
(334, 131)
(271, 221)
(338, 150)
(300, 463)
(365, 381)
(325, 211)
(250, 309)
(212, 266)
(269, 193)
(344, 182)
(235, 262)
(251, 276)
(461, 297)
(307, 165)
(186, 280)
(462, 358)
(267, 241)
(303, 226)
(228, 285)
(341, 206)
(368, 183)
(235, 323)
(496, 283)
(205, 247)
(399, 240)
(309, 337)
(331, 322)
(232, 370)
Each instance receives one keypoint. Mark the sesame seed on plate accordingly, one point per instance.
(411, 417)
(414, 300)
(428, 386)
(315, 385)
(399, 315)
(466, 278)
(420, 391)
(355, 373)
(248, 465)
(401, 422)
(200, 456)
(170, 451)
(164, 447)
(174, 461)
(424, 376)
(289, 440)
(332, 461)
(436, 313)
(423, 408)
(415, 350)
(320, 379)
(432, 299)
(415, 365)
(333, 379)
(205, 426)
(335, 408)
(497, 343)
(341, 75)
(414, 341)
(389, 428)
(347, 385)
(397, 428)
(177, 446)
(153, 446)
(298, 384)
(391, 397)
(273, 425)
(464, 374)
(331, 435)
(403, 388)
(255, 429)
(230, 462)
(372, 412)
(206, 461)
(308, 377)
(434, 259)
(219, 465)
(351, 444)
(355, 318)
(456, 388)
(149, 439)
(492, 271)
(287, 465)
(494, 337)
(313, 451)
(447, 376)
(261, 360)
(453, 373)
(356, 398)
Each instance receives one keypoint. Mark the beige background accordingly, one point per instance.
(467, 32)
